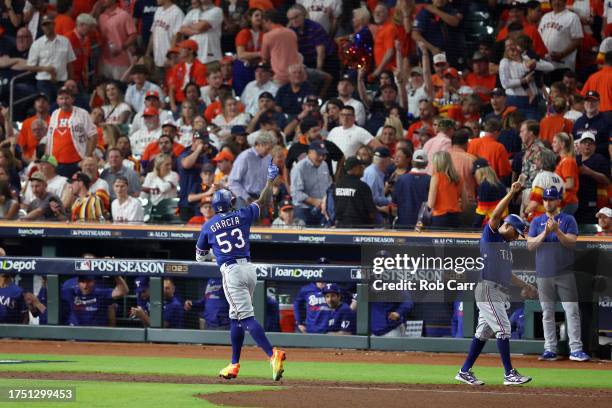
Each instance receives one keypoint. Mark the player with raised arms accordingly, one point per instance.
(227, 235)
(492, 293)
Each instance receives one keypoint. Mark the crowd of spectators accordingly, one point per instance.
(377, 112)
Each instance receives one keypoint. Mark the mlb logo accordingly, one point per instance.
(355, 273)
(82, 265)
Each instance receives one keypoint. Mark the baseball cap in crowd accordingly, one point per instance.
(416, 70)
(173, 50)
(266, 95)
(38, 175)
(604, 212)
(451, 72)
(286, 204)
(238, 130)
(208, 168)
(498, 92)
(331, 288)
(152, 94)
(517, 223)
(47, 158)
(419, 156)
(439, 58)
(64, 91)
(516, 5)
(318, 146)
(592, 95)
(351, 162)
(46, 19)
(587, 136)
(263, 65)
(551, 193)
(223, 155)
(189, 44)
(382, 152)
(80, 176)
(346, 77)
(311, 99)
(202, 135)
(151, 111)
(42, 95)
(141, 283)
(479, 163)
(169, 122)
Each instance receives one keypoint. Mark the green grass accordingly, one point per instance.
(332, 371)
(133, 395)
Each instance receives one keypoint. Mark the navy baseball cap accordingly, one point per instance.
(318, 146)
(551, 194)
(238, 130)
(382, 152)
(323, 260)
(517, 223)
(479, 163)
(142, 283)
(331, 288)
(266, 95)
(592, 95)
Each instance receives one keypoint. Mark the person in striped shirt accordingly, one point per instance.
(87, 206)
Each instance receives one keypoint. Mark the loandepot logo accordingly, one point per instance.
(17, 266)
(298, 273)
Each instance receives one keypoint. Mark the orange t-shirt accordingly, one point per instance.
(26, 138)
(214, 109)
(152, 149)
(447, 196)
(601, 81)
(487, 81)
(494, 152)
(261, 4)
(197, 74)
(64, 24)
(412, 134)
(244, 38)
(553, 124)
(566, 168)
(383, 40)
(455, 112)
(63, 146)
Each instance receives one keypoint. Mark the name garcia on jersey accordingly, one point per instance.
(225, 223)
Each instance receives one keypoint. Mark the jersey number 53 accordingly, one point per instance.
(225, 245)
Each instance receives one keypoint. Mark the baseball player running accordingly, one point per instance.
(492, 291)
(227, 234)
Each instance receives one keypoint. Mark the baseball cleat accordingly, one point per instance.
(468, 378)
(229, 372)
(276, 362)
(514, 378)
(579, 356)
(548, 356)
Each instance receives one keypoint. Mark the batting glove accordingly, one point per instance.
(273, 171)
(203, 255)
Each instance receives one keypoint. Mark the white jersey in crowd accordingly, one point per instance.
(166, 186)
(547, 179)
(112, 114)
(349, 140)
(251, 92)
(224, 133)
(166, 23)
(557, 31)
(360, 112)
(135, 97)
(57, 185)
(415, 95)
(79, 125)
(185, 133)
(138, 121)
(209, 42)
(606, 45)
(130, 211)
(142, 138)
(317, 10)
(56, 53)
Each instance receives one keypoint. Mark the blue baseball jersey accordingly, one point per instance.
(379, 316)
(497, 257)
(215, 309)
(227, 234)
(552, 258)
(12, 305)
(91, 309)
(342, 319)
(172, 313)
(311, 300)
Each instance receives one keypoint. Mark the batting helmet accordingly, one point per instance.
(517, 223)
(222, 201)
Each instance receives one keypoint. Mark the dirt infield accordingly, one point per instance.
(308, 394)
(253, 353)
